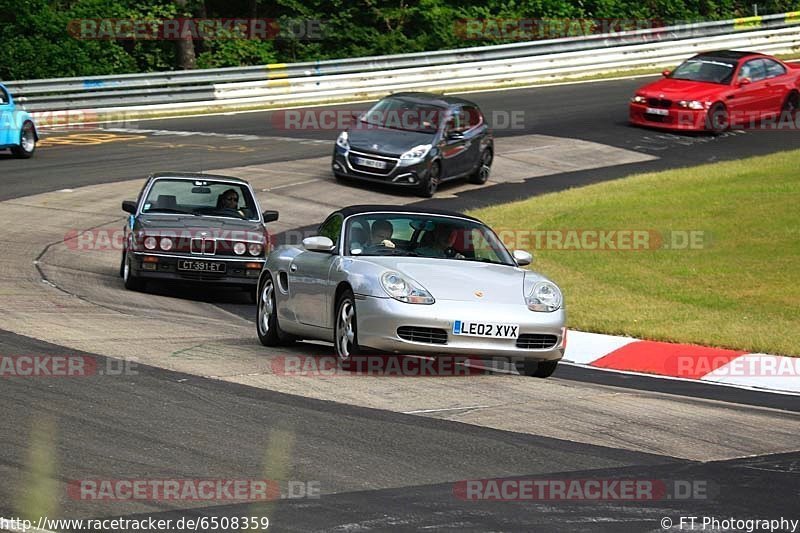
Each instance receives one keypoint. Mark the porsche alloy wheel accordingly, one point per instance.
(345, 333)
(27, 141)
(267, 321)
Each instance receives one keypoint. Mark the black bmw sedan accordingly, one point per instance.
(416, 140)
(195, 228)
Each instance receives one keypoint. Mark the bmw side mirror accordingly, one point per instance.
(745, 81)
(129, 206)
(666, 73)
(522, 257)
(270, 216)
(318, 244)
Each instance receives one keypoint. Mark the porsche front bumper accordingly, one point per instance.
(379, 323)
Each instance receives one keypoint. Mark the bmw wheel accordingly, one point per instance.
(132, 281)
(717, 119)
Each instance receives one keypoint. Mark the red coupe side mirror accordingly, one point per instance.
(666, 73)
(744, 81)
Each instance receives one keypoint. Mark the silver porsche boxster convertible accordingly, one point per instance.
(410, 281)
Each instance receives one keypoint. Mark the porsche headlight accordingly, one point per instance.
(166, 244)
(254, 248)
(343, 141)
(544, 297)
(638, 99)
(415, 155)
(691, 104)
(239, 248)
(150, 243)
(403, 289)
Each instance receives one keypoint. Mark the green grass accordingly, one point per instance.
(740, 290)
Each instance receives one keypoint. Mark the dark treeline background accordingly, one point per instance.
(35, 41)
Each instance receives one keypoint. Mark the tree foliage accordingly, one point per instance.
(36, 42)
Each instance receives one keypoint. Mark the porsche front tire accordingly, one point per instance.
(345, 333)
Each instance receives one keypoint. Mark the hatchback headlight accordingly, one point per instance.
(401, 288)
(343, 141)
(415, 155)
(544, 297)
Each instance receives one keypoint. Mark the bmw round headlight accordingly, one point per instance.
(150, 243)
(545, 297)
(254, 248)
(405, 290)
(239, 248)
(638, 99)
(166, 244)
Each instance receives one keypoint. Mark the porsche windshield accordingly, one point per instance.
(420, 235)
(402, 114)
(200, 197)
(706, 70)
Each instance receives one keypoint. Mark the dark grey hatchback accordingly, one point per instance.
(416, 140)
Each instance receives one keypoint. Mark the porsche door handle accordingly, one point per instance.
(293, 268)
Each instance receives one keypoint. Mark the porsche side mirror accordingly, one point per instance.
(318, 244)
(270, 216)
(129, 206)
(745, 81)
(666, 73)
(522, 257)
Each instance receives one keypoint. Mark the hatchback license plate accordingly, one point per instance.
(369, 163)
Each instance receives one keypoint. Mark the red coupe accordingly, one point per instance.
(716, 90)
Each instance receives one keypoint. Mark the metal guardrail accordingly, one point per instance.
(372, 76)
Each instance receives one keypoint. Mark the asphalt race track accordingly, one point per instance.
(204, 401)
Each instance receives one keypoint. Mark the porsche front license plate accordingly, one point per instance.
(656, 111)
(369, 162)
(486, 329)
(201, 266)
